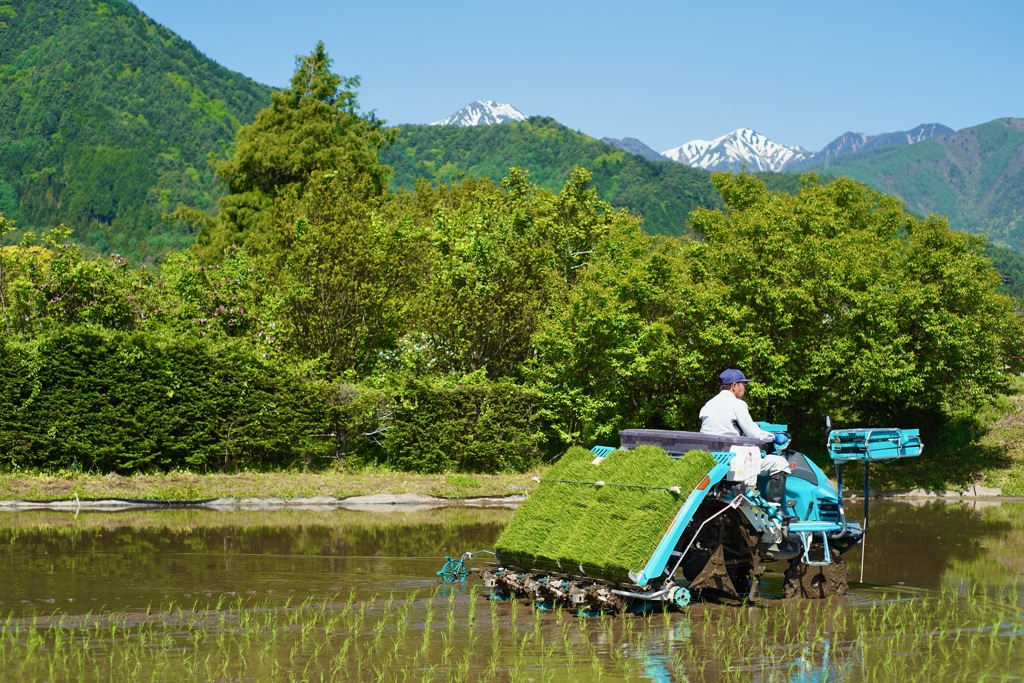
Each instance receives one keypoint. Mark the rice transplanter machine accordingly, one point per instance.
(602, 532)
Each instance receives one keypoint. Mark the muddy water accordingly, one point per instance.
(134, 560)
(935, 545)
(344, 595)
(131, 560)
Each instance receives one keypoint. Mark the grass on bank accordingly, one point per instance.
(181, 485)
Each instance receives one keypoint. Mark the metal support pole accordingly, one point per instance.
(864, 538)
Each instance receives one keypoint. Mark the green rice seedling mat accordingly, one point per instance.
(573, 525)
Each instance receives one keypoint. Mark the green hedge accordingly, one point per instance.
(91, 399)
(480, 426)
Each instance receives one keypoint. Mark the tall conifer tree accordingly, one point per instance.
(314, 125)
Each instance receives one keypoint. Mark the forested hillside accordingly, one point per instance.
(1010, 265)
(664, 193)
(107, 122)
(975, 177)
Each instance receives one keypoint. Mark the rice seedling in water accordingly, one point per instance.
(931, 637)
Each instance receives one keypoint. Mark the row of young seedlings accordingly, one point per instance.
(459, 636)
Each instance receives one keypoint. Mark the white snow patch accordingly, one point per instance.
(482, 113)
(733, 150)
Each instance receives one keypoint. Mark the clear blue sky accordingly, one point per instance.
(799, 72)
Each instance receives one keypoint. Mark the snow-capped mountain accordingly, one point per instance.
(853, 142)
(730, 152)
(482, 113)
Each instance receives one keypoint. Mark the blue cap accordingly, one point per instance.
(731, 376)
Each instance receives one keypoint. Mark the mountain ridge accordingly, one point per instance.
(108, 120)
(974, 176)
(634, 146)
(853, 141)
(743, 148)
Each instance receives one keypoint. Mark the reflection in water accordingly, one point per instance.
(918, 544)
(132, 560)
(366, 582)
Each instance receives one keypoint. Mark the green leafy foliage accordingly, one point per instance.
(500, 256)
(223, 298)
(607, 529)
(835, 299)
(346, 273)
(107, 122)
(606, 354)
(356, 418)
(845, 304)
(50, 284)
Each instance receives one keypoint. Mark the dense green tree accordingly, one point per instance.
(225, 298)
(48, 283)
(606, 357)
(458, 324)
(835, 299)
(314, 125)
(346, 271)
(500, 256)
(490, 275)
(841, 302)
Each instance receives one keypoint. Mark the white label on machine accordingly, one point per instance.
(745, 465)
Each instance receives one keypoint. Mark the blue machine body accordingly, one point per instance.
(813, 517)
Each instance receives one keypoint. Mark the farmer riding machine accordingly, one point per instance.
(673, 515)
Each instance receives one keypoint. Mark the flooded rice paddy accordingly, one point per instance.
(342, 595)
